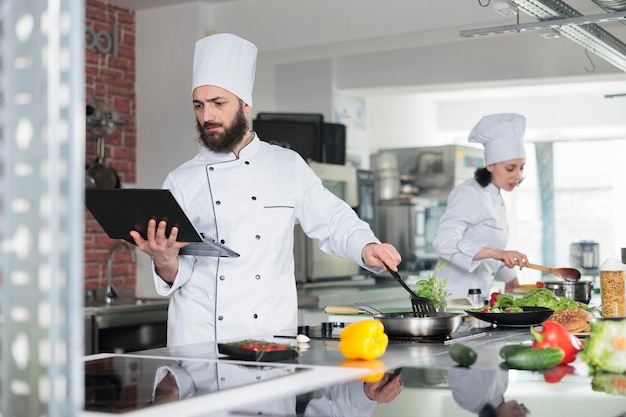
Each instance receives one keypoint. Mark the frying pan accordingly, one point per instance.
(103, 175)
(406, 324)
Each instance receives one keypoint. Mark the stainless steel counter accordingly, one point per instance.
(226, 387)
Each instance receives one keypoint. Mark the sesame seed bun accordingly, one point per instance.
(573, 319)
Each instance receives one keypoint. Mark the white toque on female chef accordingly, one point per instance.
(502, 135)
(226, 61)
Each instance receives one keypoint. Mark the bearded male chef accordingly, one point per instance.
(248, 195)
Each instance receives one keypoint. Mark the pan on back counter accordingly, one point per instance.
(407, 323)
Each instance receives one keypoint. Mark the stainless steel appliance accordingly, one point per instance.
(385, 166)
(435, 170)
(367, 207)
(577, 291)
(409, 221)
(311, 263)
(410, 226)
(584, 255)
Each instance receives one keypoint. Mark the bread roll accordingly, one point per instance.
(574, 319)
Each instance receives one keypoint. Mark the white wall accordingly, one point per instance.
(165, 121)
(430, 119)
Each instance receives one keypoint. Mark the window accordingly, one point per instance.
(589, 203)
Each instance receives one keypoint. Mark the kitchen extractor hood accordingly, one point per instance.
(584, 30)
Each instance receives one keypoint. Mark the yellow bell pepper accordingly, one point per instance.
(364, 339)
(377, 367)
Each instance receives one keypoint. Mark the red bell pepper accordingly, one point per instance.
(556, 373)
(494, 297)
(555, 335)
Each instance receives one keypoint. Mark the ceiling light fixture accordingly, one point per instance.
(554, 14)
(549, 33)
(504, 7)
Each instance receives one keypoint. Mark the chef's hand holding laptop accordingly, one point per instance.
(163, 249)
(153, 220)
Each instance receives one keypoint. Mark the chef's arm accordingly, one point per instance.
(166, 391)
(509, 257)
(509, 277)
(162, 249)
(342, 400)
(377, 255)
(511, 285)
(172, 383)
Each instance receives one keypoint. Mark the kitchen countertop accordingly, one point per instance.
(226, 387)
(122, 306)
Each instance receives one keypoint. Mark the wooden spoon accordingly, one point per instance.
(568, 274)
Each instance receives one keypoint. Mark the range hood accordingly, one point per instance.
(560, 17)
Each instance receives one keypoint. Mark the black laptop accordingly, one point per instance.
(121, 210)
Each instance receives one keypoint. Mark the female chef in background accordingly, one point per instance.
(472, 234)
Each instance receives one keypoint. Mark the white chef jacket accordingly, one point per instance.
(475, 217)
(473, 388)
(251, 204)
(195, 378)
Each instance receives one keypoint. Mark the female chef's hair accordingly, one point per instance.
(483, 177)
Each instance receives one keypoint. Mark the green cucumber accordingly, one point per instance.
(535, 359)
(462, 354)
(508, 350)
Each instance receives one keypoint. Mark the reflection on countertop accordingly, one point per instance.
(433, 385)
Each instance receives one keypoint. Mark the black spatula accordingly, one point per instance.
(422, 306)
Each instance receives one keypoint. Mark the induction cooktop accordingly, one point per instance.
(120, 384)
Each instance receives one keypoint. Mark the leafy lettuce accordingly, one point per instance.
(605, 348)
(614, 384)
(536, 297)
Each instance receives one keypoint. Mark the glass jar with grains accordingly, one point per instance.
(613, 288)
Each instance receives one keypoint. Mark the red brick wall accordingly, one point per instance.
(111, 80)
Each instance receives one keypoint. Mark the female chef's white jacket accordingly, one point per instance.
(475, 217)
(251, 205)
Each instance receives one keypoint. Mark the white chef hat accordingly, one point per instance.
(502, 135)
(226, 61)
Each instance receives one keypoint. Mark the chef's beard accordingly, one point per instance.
(224, 142)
